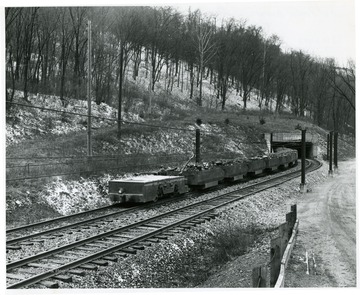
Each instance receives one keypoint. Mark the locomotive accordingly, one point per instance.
(151, 187)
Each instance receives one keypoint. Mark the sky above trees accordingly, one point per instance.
(320, 28)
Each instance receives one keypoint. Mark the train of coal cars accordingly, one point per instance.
(151, 187)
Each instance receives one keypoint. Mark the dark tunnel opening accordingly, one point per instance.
(296, 146)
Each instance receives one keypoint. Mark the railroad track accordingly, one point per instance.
(91, 252)
(27, 234)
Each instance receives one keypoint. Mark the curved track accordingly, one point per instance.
(97, 250)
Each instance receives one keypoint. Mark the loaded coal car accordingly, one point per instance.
(146, 188)
(292, 158)
(235, 170)
(200, 176)
(204, 178)
(257, 165)
(282, 159)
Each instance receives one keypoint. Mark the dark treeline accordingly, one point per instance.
(46, 52)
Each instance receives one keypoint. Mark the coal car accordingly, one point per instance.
(146, 188)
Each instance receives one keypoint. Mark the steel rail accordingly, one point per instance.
(45, 222)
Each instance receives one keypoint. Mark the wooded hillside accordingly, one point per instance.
(46, 52)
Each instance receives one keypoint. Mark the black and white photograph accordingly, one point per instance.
(186, 147)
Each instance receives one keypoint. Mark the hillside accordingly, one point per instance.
(41, 140)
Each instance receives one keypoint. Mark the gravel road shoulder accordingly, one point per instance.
(327, 233)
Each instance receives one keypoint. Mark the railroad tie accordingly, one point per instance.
(50, 284)
(111, 258)
(26, 243)
(147, 244)
(128, 250)
(185, 226)
(87, 248)
(10, 247)
(152, 240)
(39, 265)
(196, 222)
(15, 276)
(138, 247)
(162, 237)
(63, 278)
(100, 262)
(77, 272)
(88, 267)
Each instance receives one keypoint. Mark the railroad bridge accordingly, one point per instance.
(292, 140)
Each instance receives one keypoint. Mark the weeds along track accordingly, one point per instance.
(89, 253)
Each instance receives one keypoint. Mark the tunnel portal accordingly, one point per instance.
(292, 141)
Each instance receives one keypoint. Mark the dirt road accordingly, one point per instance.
(325, 250)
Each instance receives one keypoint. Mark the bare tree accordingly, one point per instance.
(29, 20)
(205, 45)
(13, 22)
(124, 26)
(300, 68)
(342, 80)
(78, 16)
(66, 42)
(249, 60)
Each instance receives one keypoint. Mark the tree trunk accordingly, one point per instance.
(191, 81)
(200, 85)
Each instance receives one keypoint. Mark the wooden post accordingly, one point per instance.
(290, 219)
(259, 277)
(294, 209)
(275, 260)
(283, 234)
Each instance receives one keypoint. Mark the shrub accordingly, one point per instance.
(230, 240)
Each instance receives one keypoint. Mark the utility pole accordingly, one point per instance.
(89, 147)
(303, 155)
(327, 147)
(335, 150)
(197, 146)
(331, 153)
